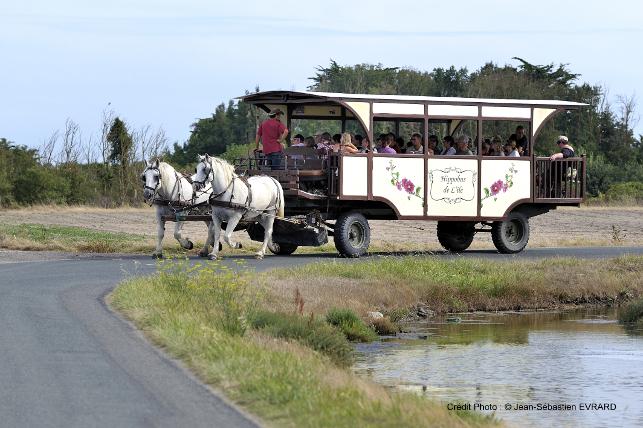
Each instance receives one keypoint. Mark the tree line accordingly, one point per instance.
(104, 171)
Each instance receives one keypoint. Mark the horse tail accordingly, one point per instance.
(280, 199)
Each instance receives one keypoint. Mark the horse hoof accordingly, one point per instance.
(190, 245)
(203, 254)
(213, 257)
(239, 246)
(259, 256)
(220, 246)
(157, 255)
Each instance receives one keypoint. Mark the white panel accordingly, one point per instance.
(393, 108)
(503, 182)
(540, 115)
(363, 110)
(400, 181)
(452, 111)
(507, 112)
(354, 178)
(453, 187)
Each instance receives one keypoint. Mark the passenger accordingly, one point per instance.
(298, 141)
(381, 140)
(521, 139)
(510, 149)
(357, 140)
(309, 142)
(432, 144)
(325, 145)
(448, 148)
(392, 142)
(365, 146)
(337, 138)
(463, 146)
(385, 147)
(272, 134)
(486, 147)
(566, 151)
(416, 145)
(496, 146)
(399, 143)
(346, 145)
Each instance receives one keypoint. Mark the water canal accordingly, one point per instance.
(583, 361)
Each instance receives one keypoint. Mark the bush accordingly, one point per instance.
(351, 325)
(236, 151)
(311, 332)
(384, 326)
(632, 312)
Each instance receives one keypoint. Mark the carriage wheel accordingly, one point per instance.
(511, 236)
(282, 249)
(456, 236)
(352, 234)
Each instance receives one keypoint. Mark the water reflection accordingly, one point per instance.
(517, 358)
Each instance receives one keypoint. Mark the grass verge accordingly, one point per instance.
(271, 367)
(393, 285)
(38, 237)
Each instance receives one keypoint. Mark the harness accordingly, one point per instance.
(246, 207)
(179, 205)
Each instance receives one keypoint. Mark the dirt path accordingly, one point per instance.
(562, 227)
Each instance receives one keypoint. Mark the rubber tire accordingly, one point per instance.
(282, 249)
(508, 244)
(456, 236)
(344, 226)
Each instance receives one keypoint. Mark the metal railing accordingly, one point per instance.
(562, 179)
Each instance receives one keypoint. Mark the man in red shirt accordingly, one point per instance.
(272, 134)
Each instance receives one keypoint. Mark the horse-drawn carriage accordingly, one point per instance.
(337, 194)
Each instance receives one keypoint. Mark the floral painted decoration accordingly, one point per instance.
(499, 186)
(404, 184)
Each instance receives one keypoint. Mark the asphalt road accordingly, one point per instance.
(67, 360)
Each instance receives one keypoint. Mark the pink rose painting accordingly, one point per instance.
(500, 186)
(405, 184)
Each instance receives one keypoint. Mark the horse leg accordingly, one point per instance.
(216, 232)
(206, 249)
(266, 221)
(227, 237)
(184, 242)
(160, 232)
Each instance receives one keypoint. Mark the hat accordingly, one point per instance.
(562, 139)
(275, 112)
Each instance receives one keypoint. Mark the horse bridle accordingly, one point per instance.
(154, 189)
(208, 167)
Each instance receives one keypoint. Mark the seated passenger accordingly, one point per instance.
(416, 147)
(463, 146)
(380, 141)
(521, 139)
(496, 146)
(486, 147)
(345, 145)
(385, 148)
(510, 149)
(337, 138)
(433, 144)
(399, 144)
(309, 142)
(392, 142)
(447, 146)
(325, 145)
(298, 141)
(566, 151)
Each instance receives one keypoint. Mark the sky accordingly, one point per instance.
(167, 63)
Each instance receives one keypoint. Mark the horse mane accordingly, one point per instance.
(226, 169)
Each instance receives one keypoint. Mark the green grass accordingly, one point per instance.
(309, 331)
(631, 312)
(273, 369)
(351, 325)
(393, 285)
(69, 238)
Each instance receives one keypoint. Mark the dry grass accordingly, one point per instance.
(457, 285)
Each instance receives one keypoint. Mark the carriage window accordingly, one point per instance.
(464, 130)
(505, 137)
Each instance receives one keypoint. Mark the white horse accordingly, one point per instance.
(164, 186)
(234, 198)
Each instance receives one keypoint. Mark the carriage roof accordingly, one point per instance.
(303, 97)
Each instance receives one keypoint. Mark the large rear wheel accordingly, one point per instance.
(456, 236)
(511, 235)
(352, 234)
